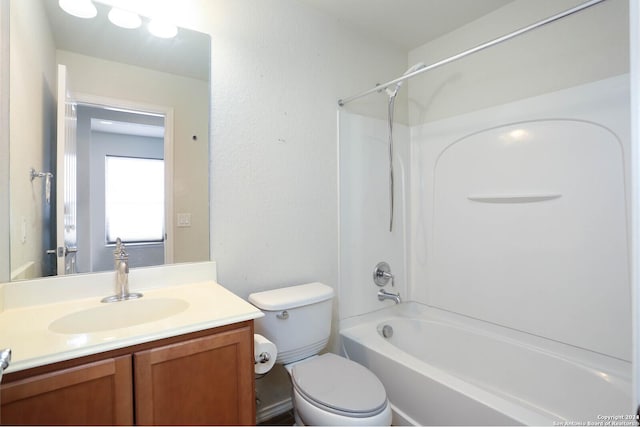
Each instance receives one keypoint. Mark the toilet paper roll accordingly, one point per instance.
(265, 354)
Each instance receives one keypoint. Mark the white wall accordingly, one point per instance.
(32, 127)
(278, 70)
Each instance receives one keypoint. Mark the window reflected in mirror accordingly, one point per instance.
(134, 199)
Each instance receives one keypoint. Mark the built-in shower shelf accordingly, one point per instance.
(512, 198)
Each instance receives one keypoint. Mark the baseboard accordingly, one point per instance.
(273, 410)
(399, 418)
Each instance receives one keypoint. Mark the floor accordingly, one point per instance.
(285, 419)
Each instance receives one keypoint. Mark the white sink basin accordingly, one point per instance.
(118, 315)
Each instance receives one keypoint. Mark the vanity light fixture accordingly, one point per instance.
(163, 29)
(124, 19)
(79, 8)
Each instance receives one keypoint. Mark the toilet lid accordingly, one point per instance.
(340, 385)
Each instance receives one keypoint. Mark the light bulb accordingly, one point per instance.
(125, 19)
(79, 8)
(162, 29)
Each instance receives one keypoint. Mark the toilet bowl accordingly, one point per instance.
(327, 389)
(332, 390)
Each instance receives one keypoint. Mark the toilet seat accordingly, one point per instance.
(339, 386)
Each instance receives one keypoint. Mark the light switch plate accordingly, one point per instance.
(184, 220)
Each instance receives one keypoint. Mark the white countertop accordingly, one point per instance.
(25, 328)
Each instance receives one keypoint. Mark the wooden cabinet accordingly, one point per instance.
(90, 394)
(201, 378)
(200, 381)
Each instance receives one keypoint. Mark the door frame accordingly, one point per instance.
(167, 112)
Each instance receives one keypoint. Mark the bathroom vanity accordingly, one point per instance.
(199, 378)
(185, 356)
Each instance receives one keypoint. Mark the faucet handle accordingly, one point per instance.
(120, 252)
(382, 274)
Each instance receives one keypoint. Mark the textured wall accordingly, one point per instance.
(278, 70)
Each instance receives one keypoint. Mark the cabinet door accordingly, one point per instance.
(91, 394)
(206, 380)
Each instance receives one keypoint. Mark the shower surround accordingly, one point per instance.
(514, 220)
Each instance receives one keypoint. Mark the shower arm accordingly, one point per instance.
(342, 102)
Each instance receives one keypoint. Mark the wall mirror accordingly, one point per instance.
(130, 96)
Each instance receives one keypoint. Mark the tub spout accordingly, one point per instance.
(384, 295)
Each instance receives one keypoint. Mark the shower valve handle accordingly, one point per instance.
(382, 274)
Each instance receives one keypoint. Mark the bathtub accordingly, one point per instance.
(440, 368)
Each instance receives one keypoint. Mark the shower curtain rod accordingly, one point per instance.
(381, 87)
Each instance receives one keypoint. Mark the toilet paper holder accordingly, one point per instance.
(264, 354)
(263, 357)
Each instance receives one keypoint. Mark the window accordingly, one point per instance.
(134, 199)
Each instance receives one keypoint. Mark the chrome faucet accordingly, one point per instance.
(383, 294)
(5, 359)
(121, 265)
(382, 276)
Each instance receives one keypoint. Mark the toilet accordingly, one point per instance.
(327, 389)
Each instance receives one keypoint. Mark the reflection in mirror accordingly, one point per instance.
(124, 192)
(106, 67)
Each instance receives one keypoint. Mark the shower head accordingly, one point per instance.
(415, 67)
(392, 91)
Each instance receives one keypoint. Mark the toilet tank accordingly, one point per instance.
(297, 319)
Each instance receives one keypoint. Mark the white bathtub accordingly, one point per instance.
(444, 369)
